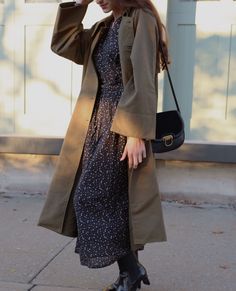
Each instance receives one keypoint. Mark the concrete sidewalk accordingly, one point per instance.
(200, 254)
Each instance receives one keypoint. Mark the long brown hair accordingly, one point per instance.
(163, 36)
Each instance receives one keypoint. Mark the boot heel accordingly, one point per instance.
(136, 285)
(146, 280)
(143, 271)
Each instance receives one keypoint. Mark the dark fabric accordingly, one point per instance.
(101, 195)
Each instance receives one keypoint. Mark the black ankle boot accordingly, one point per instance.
(121, 284)
(144, 274)
(124, 282)
(142, 277)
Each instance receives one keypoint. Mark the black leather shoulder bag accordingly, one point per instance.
(169, 124)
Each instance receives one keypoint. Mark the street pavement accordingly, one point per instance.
(200, 254)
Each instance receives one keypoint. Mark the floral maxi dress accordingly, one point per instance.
(101, 194)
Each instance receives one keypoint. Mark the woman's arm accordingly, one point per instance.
(138, 106)
(136, 111)
(70, 40)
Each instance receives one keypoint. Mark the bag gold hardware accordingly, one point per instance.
(168, 140)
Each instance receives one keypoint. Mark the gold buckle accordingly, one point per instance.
(168, 140)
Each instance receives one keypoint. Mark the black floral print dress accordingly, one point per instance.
(101, 194)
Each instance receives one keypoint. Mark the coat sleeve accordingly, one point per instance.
(136, 111)
(70, 40)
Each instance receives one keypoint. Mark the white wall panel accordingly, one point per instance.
(47, 85)
(6, 86)
(203, 67)
(231, 104)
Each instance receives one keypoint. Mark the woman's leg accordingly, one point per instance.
(129, 264)
(131, 274)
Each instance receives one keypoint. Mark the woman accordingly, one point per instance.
(104, 190)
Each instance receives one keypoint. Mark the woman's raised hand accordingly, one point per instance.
(83, 2)
(135, 150)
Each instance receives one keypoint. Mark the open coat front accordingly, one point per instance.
(135, 116)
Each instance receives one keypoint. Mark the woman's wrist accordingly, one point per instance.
(83, 2)
(79, 2)
(138, 138)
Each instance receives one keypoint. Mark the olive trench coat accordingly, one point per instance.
(134, 116)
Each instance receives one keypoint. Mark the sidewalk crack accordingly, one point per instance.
(47, 263)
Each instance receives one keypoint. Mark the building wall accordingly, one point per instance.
(38, 91)
(203, 48)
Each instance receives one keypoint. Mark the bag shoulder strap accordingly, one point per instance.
(169, 78)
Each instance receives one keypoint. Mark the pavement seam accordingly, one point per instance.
(31, 288)
(45, 265)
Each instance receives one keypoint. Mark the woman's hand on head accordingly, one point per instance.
(135, 150)
(83, 2)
